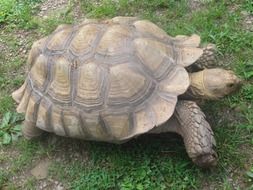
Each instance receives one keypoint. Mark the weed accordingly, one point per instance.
(6, 9)
(248, 6)
(250, 173)
(9, 129)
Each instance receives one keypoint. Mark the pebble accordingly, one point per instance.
(59, 187)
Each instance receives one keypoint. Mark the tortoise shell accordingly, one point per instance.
(105, 80)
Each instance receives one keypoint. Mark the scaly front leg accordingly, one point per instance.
(197, 134)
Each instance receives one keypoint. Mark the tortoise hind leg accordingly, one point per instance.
(197, 134)
(30, 131)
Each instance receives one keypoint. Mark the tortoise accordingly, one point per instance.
(112, 80)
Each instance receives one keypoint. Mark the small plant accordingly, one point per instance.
(248, 5)
(5, 9)
(250, 176)
(9, 129)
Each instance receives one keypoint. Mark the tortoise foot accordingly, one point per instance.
(206, 160)
(30, 131)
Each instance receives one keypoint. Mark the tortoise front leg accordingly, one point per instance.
(197, 134)
(207, 60)
(30, 131)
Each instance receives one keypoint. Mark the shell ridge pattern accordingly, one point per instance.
(144, 48)
(131, 122)
(89, 87)
(63, 123)
(35, 108)
(105, 127)
(93, 45)
(49, 88)
(105, 54)
(136, 99)
(105, 87)
(29, 89)
(84, 127)
(49, 117)
(122, 104)
(67, 39)
(98, 39)
(142, 66)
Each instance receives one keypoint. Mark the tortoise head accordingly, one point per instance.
(214, 83)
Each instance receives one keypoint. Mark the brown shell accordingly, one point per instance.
(106, 80)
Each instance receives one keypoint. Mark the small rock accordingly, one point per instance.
(41, 170)
(245, 13)
(44, 8)
(59, 187)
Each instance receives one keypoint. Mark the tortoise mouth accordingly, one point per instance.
(234, 83)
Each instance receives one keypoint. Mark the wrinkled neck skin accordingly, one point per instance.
(197, 88)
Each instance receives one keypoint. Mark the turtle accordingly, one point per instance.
(115, 79)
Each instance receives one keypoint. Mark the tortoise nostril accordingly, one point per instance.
(230, 85)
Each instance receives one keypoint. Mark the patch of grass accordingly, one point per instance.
(30, 183)
(28, 152)
(147, 163)
(3, 178)
(215, 25)
(48, 25)
(19, 13)
(11, 62)
(6, 104)
(142, 8)
(248, 6)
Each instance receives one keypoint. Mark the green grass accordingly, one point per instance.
(19, 158)
(18, 13)
(131, 166)
(149, 162)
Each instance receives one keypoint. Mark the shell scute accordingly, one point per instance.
(44, 115)
(119, 125)
(125, 84)
(39, 71)
(148, 28)
(89, 85)
(60, 88)
(58, 41)
(83, 41)
(153, 53)
(114, 41)
(56, 121)
(32, 108)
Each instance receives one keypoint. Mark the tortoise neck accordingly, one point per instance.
(197, 89)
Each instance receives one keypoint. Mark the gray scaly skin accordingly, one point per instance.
(207, 60)
(197, 133)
